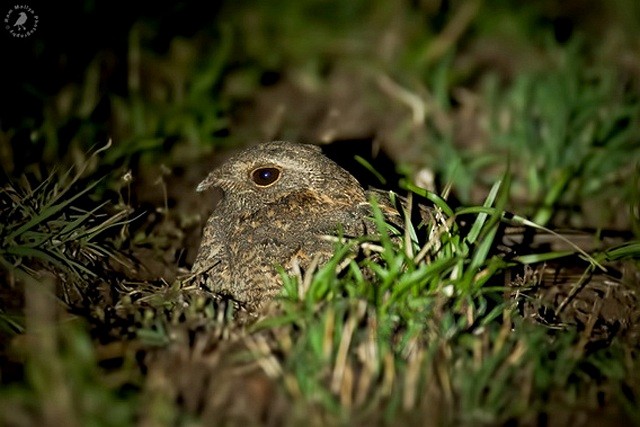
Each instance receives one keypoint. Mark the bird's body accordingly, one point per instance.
(280, 200)
(22, 19)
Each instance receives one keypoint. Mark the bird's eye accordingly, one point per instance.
(265, 176)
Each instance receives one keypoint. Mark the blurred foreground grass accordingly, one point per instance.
(531, 109)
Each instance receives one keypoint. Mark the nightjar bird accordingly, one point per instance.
(279, 200)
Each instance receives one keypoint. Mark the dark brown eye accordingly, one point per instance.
(265, 176)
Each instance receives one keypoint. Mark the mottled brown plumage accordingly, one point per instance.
(279, 200)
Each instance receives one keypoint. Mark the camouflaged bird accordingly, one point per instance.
(280, 201)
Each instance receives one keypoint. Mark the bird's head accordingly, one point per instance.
(266, 173)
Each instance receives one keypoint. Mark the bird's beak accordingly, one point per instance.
(218, 178)
(207, 183)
